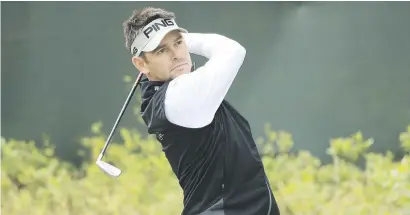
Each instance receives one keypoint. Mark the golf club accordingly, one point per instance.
(104, 166)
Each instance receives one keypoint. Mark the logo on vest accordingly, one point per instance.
(160, 136)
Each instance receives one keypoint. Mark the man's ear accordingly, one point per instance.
(140, 64)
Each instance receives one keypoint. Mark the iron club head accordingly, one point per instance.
(108, 168)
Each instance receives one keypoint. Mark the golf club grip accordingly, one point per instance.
(124, 107)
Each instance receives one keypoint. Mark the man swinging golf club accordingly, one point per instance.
(208, 144)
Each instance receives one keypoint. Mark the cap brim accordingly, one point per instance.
(156, 40)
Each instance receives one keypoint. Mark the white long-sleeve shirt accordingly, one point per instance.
(192, 99)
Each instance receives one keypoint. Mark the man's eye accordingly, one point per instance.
(179, 42)
(161, 51)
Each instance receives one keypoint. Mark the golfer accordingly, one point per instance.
(208, 143)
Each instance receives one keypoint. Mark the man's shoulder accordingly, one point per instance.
(152, 108)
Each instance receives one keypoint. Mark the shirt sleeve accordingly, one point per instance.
(192, 99)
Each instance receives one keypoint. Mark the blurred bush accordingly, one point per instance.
(35, 182)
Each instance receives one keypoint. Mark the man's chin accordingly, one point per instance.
(179, 72)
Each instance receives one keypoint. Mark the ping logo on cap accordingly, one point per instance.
(156, 26)
(146, 39)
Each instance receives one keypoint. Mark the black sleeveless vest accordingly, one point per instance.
(218, 166)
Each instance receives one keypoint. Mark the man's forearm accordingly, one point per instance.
(208, 45)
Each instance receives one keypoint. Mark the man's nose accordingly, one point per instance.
(176, 55)
(176, 58)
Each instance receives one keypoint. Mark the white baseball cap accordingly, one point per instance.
(149, 37)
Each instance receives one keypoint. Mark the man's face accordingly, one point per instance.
(168, 61)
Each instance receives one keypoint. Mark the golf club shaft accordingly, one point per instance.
(124, 107)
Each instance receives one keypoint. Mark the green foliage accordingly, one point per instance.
(34, 181)
(304, 186)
